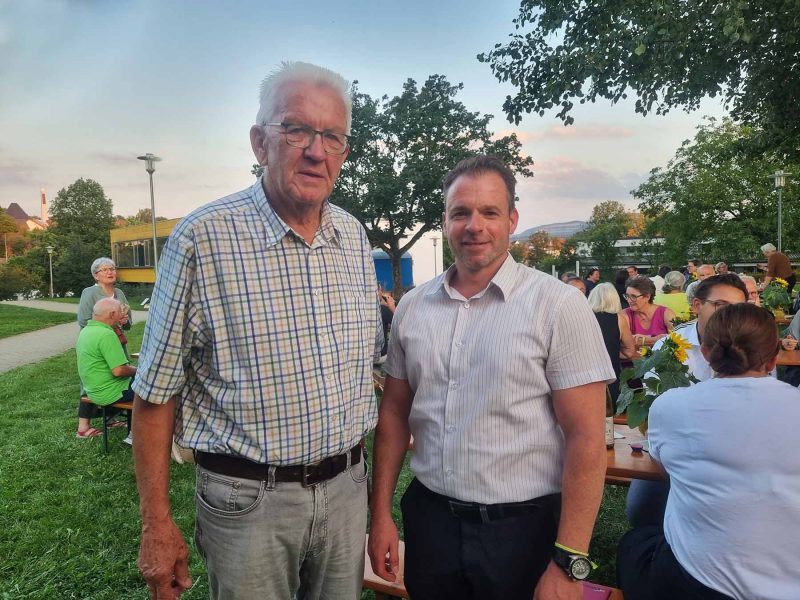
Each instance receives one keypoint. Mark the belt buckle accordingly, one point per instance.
(307, 476)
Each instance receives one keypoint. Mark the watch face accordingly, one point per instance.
(580, 568)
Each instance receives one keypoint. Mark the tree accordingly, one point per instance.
(609, 222)
(669, 54)
(713, 203)
(401, 149)
(7, 225)
(82, 217)
(14, 279)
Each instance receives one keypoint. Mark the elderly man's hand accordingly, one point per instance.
(164, 560)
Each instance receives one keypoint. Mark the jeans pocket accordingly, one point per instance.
(227, 496)
(357, 470)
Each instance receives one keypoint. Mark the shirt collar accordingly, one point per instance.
(93, 323)
(503, 280)
(277, 228)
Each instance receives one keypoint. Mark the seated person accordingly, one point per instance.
(102, 364)
(727, 445)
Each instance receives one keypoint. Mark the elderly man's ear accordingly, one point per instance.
(258, 141)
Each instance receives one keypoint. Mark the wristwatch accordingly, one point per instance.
(576, 566)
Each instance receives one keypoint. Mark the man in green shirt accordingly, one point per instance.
(102, 364)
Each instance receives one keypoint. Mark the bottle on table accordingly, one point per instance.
(609, 419)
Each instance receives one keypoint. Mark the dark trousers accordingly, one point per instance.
(453, 557)
(90, 411)
(648, 570)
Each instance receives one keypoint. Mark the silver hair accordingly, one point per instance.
(768, 248)
(673, 280)
(604, 298)
(102, 262)
(691, 290)
(302, 72)
(744, 277)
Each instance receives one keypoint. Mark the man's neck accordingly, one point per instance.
(469, 283)
(305, 219)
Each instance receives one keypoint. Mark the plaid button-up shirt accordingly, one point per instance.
(267, 342)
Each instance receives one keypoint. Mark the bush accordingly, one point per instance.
(16, 280)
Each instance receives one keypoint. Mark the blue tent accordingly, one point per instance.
(383, 269)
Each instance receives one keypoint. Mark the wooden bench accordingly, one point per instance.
(126, 406)
(390, 590)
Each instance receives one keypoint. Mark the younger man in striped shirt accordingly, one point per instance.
(499, 373)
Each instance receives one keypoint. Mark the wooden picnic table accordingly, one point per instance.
(624, 462)
(789, 358)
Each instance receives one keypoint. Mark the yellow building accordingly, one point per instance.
(132, 250)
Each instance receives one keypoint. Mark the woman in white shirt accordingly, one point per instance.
(730, 447)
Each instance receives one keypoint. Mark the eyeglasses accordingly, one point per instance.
(633, 297)
(302, 136)
(107, 270)
(717, 304)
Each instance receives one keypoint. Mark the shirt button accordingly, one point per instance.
(466, 304)
(451, 428)
(453, 384)
(316, 292)
(449, 472)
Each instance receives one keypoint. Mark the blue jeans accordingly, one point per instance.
(268, 540)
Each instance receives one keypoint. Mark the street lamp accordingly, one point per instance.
(50, 257)
(149, 159)
(780, 181)
(435, 242)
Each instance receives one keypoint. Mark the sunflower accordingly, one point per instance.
(681, 345)
(781, 282)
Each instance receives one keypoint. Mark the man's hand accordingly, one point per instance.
(164, 561)
(555, 585)
(383, 540)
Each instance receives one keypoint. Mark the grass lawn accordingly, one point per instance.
(69, 523)
(18, 319)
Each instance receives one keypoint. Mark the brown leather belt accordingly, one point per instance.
(235, 466)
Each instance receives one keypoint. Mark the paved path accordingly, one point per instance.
(26, 348)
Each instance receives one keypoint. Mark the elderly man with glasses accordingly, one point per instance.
(258, 351)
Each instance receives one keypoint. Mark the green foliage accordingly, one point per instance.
(658, 371)
(715, 201)
(609, 222)
(17, 280)
(18, 319)
(82, 217)
(257, 170)
(776, 295)
(401, 149)
(7, 223)
(668, 54)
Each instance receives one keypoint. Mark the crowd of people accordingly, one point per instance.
(265, 324)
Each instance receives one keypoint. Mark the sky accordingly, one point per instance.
(86, 86)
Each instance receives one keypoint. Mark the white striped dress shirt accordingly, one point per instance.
(482, 370)
(267, 341)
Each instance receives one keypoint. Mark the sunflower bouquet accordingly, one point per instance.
(775, 295)
(651, 375)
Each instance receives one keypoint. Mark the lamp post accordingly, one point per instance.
(149, 159)
(50, 257)
(435, 260)
(780, 181)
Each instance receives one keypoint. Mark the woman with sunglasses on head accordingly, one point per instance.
(729, 446)
(648, 322)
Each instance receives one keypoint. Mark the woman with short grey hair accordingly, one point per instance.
(672, 295)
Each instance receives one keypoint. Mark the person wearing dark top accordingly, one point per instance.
(619, 282)
(592, 279)
(387, 313)
(604, 301)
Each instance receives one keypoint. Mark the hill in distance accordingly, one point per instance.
(559, 230)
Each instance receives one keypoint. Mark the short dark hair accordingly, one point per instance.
(591, 271)
(644, 285)
(478, 165)
(706, 285)
(695, 262)
(740, 338)
(663, 270)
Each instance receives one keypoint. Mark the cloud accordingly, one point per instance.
(564, 189)
(571, 133)
(15, 172)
